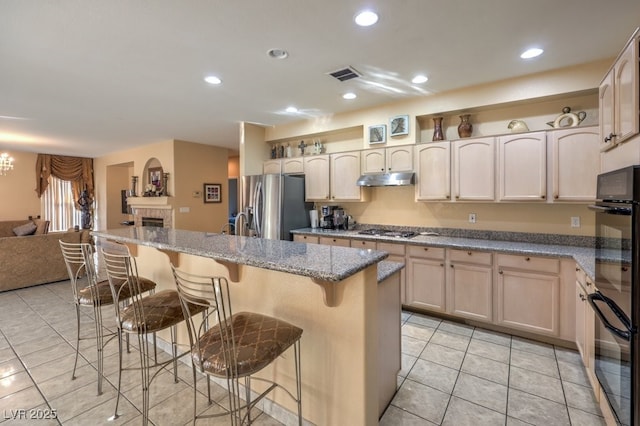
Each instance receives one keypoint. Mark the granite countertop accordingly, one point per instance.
(584, 256)
(321, 262)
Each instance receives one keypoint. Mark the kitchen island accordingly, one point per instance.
(351, 321)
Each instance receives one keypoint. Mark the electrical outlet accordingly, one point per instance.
(575, 221)
(472, 218)
(185, 209)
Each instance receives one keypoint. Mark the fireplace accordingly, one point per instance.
(153, 221)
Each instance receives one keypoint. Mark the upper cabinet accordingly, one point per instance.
(333, 177)
(522, 167)
(619, 99)
(387, 160)
(575, 163)
(433, 171)
(474, 169)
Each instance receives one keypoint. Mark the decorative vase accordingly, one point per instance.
(465, 127)
(437, 129)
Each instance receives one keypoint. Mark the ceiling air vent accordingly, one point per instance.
(345, 74)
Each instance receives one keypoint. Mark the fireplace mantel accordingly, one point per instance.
(156, 202)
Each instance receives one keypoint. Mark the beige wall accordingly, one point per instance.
(396, 206)
(234, 167)
(17, 188)
(195, 165)
(119, 178)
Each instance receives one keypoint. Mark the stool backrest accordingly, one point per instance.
(78, 257)
(122, 273)
(212, 293)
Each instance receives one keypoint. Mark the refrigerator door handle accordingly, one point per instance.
(256, 209)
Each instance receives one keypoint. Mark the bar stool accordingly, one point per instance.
(234, 345)
(79, 259)
(143, 316)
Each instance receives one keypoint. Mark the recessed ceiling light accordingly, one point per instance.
(419, 79)
(366, 18)
(277, 53)
(292, 109)
(212, 79)
(531, 53)
(349, 95)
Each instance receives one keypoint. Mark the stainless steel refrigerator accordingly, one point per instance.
(272, 205)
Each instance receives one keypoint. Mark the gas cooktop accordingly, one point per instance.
(387, 233)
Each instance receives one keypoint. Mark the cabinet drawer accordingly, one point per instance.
(342, 242)
(305, 238)
(391, 248)
(426, 252)
(363, 244)
(469, 256)
(537, 264)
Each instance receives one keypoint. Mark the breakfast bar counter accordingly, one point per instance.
(348, 308)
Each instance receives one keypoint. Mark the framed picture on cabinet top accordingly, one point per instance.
(212, 193)
(399, 125)
(377, 134)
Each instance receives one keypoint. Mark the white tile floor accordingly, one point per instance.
(452, 374)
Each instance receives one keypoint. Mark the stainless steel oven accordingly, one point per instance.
(617, 299)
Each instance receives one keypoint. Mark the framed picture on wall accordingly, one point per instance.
(399, 125)
(377, 134)
(212, 193)
(155, 176)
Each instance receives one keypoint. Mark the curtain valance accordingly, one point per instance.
(77, 170)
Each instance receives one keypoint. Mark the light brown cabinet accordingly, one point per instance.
(397, 253)
(362, 244)
(470, 285)
(332, 241)
(619, 98)
(272, 167)
(575, 163)
(473, 169)
(433, 171)
(528, 294)
(426, 286)
(522, 167)
(387, 160)
(585, 326)
(333, 177)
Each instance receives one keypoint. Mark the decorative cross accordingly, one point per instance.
(302, 146)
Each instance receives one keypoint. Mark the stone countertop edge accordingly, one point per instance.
(386, 268)
(584, 256)
(303, 259)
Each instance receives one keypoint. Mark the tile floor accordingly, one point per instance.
(452, 374)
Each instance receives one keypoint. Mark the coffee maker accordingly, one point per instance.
(326, 222)
(340, 219)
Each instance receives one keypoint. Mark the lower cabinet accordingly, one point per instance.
(425, 285)
(331, 241)
(585, 326)
(397, 253)
(528, 294)
(305, 238)
(470, 285)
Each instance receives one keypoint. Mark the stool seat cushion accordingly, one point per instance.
(161, 310)
(104, 292)
(259, 339)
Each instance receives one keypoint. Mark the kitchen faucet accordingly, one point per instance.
(239, 230)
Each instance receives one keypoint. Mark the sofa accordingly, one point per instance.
(33, 259)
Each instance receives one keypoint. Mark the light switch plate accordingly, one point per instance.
(575, 221)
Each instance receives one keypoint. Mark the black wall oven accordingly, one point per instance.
(617, 299)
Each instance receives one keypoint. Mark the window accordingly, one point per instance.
(58, 205)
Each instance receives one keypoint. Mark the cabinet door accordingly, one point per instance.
(470, 292)
(433, 171)
(626, 93)
(345, 171)
(316, 183)
(425, 287)
(397, 254)
(293, 165)
(373, 161)
(271, 167)
(528, 301)
(575, 158)
(399, 159)
(522, 167)
(363, 244)
(605, 112)
(474, 169)
(581, 336)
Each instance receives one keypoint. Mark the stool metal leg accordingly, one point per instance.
(296, 349)
(75, 363)
(115, 413)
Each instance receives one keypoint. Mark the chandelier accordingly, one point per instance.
(6, 163)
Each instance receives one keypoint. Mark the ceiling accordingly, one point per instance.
(91, 77)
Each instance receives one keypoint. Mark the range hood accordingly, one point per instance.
(387, 179)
